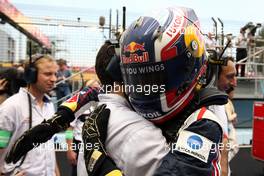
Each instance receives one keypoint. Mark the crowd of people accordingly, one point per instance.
(243, 43)
(171, 131)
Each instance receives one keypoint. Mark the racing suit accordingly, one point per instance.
(139, 148)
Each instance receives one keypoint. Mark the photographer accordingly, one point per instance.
(10, 81)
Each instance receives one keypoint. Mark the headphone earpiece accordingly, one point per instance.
(30, 74)
(31, 71)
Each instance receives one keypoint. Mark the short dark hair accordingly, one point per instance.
(221, 67)
(61, 62)
(104, 56)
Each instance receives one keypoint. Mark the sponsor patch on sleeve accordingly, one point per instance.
(194, 145)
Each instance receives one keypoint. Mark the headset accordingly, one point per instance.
(113, 67)
(31, 71)
(216, 60)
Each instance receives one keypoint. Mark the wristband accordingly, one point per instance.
(69, 134)
(4, 138)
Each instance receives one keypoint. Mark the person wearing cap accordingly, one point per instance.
(63, 89)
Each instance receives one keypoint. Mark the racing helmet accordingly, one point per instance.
(162, 61)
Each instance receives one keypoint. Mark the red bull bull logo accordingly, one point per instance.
(133, 57)
(133, 47)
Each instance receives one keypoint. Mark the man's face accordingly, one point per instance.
(62, 67)
(46, 76)
(227, 78)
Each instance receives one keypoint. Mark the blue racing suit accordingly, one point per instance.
(188, 155)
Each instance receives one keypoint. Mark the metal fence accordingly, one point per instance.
(75, 35)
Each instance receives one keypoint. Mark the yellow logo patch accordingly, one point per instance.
(193, 35)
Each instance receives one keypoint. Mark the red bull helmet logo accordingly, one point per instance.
(133, 57)
(133, 47)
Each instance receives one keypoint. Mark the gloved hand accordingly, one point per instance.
(83, 97)
(39, 134)
(94, 133)
(59, 122)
